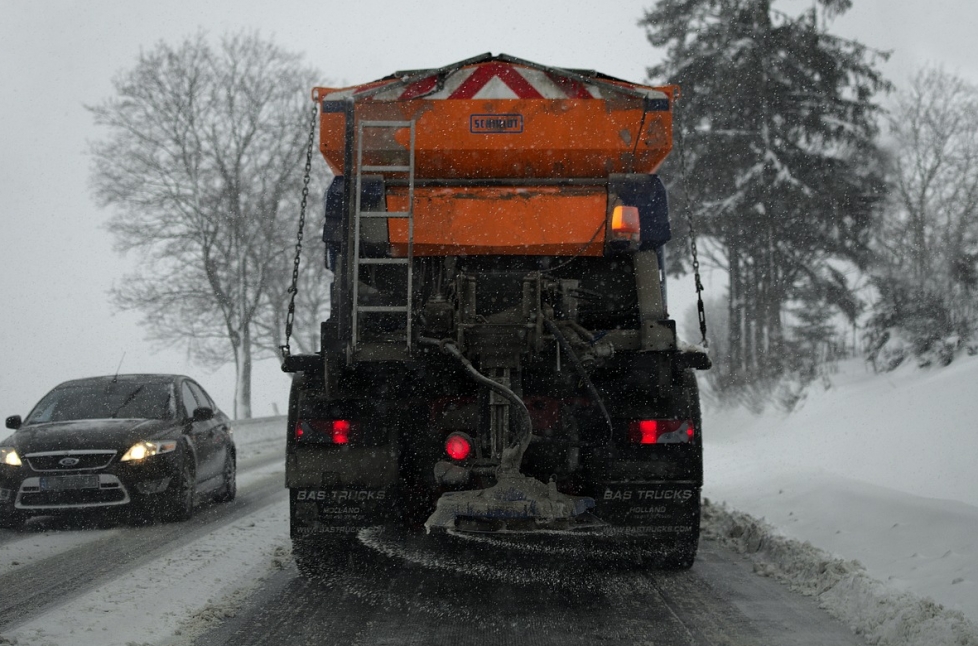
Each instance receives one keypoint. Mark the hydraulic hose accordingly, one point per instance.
(526, 425)
(579, 367)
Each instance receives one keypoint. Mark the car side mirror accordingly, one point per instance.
(14, 422)
(203, 414)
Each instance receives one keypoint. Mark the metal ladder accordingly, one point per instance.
(359, 261)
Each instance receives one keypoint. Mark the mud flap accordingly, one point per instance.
(670, 510)
(342, 510)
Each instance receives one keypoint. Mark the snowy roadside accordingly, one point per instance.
(258, 436)
(879, 613)
(876, 472)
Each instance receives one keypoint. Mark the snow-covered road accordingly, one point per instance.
(489, 597)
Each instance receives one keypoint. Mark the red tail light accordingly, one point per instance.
(324, 431)
(458, 446)
(341, 431)
(661, 431)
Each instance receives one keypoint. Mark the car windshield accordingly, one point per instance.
(105, 401)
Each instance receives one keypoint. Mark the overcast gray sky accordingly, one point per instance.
(56, 260)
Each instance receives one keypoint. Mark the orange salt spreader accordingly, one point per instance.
(510, 157)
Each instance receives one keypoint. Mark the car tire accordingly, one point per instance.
(229, 489)
(180, 503)
(12, 519)
(138, 513)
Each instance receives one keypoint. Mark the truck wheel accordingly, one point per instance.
(682, 554)
(320, 556)
(304, 555)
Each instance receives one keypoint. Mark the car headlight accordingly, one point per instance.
(9, 457)
(142, 450)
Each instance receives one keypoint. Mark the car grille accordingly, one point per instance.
(34, 494)
(72, 498)
(52, 460)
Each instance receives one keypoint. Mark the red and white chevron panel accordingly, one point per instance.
(493, 80)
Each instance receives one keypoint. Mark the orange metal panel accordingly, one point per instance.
(332, 133)
(504, 221)
(511, 138)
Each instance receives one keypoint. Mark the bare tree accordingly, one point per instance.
(312, 303)
(934, 125)
(203, 163)
(926, 247)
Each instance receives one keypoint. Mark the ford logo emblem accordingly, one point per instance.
(68, 462)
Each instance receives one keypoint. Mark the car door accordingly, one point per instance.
(201, 434)
(219, 434)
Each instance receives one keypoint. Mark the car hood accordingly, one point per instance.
(88, 434)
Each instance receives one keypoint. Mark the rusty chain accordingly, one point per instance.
(293, 288)
(700, 310)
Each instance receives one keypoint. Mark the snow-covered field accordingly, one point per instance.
(878, 469)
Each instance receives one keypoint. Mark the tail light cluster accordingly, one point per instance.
(325, 431)
(661, 431)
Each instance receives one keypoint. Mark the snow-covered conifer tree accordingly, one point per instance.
(779, 124)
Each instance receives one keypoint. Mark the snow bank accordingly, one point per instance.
(843, 588)
(877, 472)
(913, 430)
(254, 436)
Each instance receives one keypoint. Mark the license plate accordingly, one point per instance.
(68, 483)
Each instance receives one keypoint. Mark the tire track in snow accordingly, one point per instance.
(384, 600)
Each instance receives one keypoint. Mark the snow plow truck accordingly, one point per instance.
(499, 356)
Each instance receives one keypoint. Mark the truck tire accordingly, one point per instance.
(319, 557)
(682, 554)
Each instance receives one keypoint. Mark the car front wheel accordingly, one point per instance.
(11, 519)
(180, 503)
(230, 488)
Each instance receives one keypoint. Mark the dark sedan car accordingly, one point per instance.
(154, 445)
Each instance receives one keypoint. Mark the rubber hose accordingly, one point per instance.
(580, 370)
(514, 399)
